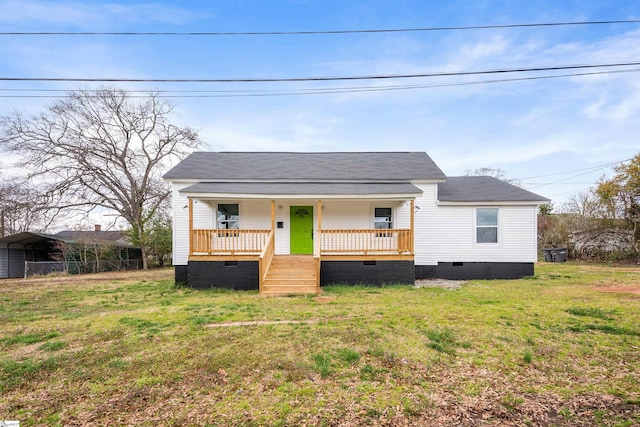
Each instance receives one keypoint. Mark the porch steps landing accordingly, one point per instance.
(291, 274)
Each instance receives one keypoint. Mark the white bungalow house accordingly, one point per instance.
(291, 222)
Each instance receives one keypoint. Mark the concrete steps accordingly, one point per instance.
(291, 274)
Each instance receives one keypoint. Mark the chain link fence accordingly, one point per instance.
(34, 268)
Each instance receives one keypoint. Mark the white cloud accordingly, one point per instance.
(269, 132)
(90, 16)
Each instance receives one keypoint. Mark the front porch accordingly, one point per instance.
(295, 267)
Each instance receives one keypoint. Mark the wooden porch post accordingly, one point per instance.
(319, 233)
(413, 213)
(190, 226)
(319, 240)
(273, 215)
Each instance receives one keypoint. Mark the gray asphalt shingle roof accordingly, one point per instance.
(295, 188)
(28, 238)
(483, 189)
(345, 166)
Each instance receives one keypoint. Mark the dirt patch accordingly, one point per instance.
(620, 290)
(439, 283)
(325, 299)
(261, 322)
(87, 279)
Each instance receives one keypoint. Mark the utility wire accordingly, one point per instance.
(290, 33)
(295, 92)
(603, 166)
(564, 179)
(308, 79)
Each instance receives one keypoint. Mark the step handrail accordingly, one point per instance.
(264, 260)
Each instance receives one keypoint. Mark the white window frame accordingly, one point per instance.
(476, 226)
(385, 222)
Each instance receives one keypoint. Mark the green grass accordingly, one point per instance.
(596, 312)
(141, 351)
(444, 340)
(29, 338)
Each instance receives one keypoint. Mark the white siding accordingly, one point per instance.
(180, 226)
(255, 214)
(204, 214)
(447, 233)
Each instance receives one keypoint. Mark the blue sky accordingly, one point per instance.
(538, 128)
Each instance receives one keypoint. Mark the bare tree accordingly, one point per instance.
(23, 207)
(496, 173)
(102, 149)
(584, 203)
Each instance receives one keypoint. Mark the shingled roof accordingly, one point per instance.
(306, 188)
(483, 189)
(345, 166)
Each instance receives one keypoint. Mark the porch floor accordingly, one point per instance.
(291, 274)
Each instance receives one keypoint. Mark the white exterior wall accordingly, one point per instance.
(254, 214)
(442, 233)
(203, 217)
(180, 225)
(447, 233)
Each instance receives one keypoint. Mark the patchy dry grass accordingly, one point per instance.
(112, 349)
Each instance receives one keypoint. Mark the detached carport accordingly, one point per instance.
(27, 254)
(16, 249)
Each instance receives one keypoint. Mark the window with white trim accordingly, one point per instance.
(487, 225)
(382, 218)
(228, 216)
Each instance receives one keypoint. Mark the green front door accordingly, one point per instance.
(301, 218)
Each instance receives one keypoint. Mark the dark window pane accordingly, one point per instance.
(487, 235)
(487, 217)
(228, 217)
(228, 209)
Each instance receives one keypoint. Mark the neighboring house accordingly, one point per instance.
(26, 254)
(289, 222)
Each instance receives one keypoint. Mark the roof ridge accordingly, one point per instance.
(308, 152)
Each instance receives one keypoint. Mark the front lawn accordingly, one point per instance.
(561, 348)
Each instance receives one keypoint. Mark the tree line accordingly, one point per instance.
(97, 150)
(602, 223)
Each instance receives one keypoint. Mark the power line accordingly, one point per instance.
(556, 183)
(317, 32)
(561, 181)
(294, 92)
(567, 178)
(308, 79)
(594, 168)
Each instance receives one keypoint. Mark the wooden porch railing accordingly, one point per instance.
(369, 241)
(230, 242)
(266, 256)
(328, 242)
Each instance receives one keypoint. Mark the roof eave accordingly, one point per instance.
(492, 202)
(217, 196)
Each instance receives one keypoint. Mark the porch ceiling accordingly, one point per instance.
(402, 190)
